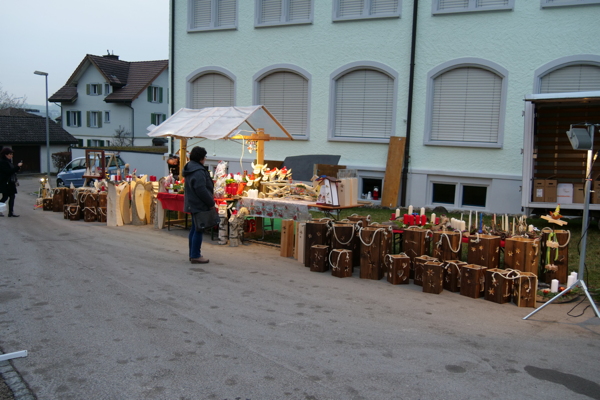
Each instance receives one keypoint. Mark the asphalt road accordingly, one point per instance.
(120, 313)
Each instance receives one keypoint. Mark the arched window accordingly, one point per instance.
(572, 78)
(211, 90)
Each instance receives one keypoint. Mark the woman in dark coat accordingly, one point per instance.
(198, 192)
(8, 179)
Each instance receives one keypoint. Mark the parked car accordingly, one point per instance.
(73, 172)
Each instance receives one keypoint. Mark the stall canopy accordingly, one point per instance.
(221, 123)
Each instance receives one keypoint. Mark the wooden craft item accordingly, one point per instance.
(550, 219)
(101, 213)
(317, 232)
(90, 214)
(287, 238)
(340, 261)
(386, 239)
(522, 254)
(452, 275)
(447, 245)
(319, 258)
(433, 277)
(111, 204)
(525, 290)
(148, 186)
(125, 202)
(484, 250)
(58, 199)
(66, 211)
(47, 204)
(415, 243)
(70, 196)
(418, 268)
(159, 215)
(472, 280)
(90, 200)
(344, 237)
(397, 268)
(138, 209)
(362, 220)
(300, 242)
(557, 265)
(74, 212)
(371, 256)
(498, 285)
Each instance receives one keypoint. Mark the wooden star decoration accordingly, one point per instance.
(510, 253)
(518, 251)
(481, 247)
(473, 249)
(491, 291)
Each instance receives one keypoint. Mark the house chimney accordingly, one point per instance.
(110, 56)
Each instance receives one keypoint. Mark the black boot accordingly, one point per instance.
(12, 215)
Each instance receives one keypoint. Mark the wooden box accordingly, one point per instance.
(90, 214)
(47, 205)
(525, 290)
(319, 258)
(344, 237)
(340, 261)
(102, 199)
(498, 285)
(484, 250)
(316, 232)
(91, 200)
(447, 245)
(555, 258)
(397, 269)
(452, 275)
(361, 220)
(433, 277)
(371, 256)
(101, 213)
(70, 196)
(418, 267)
(66, 211)
(522, 254)
(58, 199)
(74, 212)
(472, 280)
(415, 243)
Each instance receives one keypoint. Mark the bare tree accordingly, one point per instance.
(122, 137)
(8, 100)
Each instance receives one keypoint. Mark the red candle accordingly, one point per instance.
(423, 219)
(405, 219)
(393, 217)
(437, 220)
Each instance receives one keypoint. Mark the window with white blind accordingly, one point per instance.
(563, 3)
(363, 109)
(465, 105)
(572, 78)
(283, 12)
(361, 9)
(212, 14)
(460, 6)
(285, 94)
(211, 90)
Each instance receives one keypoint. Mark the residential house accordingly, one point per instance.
(25, 133)
(105, 94)
(348, 76)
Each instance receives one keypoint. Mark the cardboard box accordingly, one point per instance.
(578, 193)
(564, 193)
(544, 190)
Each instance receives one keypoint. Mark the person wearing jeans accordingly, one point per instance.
(8, 179)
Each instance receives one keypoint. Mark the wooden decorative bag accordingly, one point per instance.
(344, 237)
(90, 214)
(554, 254)
(484, 250)
(472, 280)
(66, 211)
(340, 261)
(499, 285)
(418, 266)
(58, 199)
(316, 232)
(362, 220)
(102, 199)
(447, 245)
(452, 275)
(101, 213)
(74, 212)
(47, 204)
(525, 290)
(371, 252)
(397, 268)
(319, 258)
(433, 277)
(415, 242)
(522, 254)
(70, 196)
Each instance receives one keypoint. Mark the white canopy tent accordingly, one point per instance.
(248, 123)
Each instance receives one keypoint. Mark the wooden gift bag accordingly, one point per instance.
(47, 204)
(525, 290)
(340, 261)
(319, 258)
(522, 254)
(101, 213)
(373, 242)
(415, 242)
(472, 281)
(499, 285)
(74, 212)
(362, 220)
(316, 232)
(397, 268)
(90, 214)
(66, 211)
(555, 255)
(484, 250)
(344, 237)
(418, 267)
(447, 245)
(452, 275)
(58, 199)
(433, 277)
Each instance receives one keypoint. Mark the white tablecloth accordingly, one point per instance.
(276, 208)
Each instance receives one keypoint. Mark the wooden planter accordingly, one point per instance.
(472, 280)
(522, 254)
(397, 269)
(319, 258)
(484, 250)
(433, 277)
(447, 245)
(452, 275)
(340, 261)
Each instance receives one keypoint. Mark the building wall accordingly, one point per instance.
(143, 110)
(519, 41)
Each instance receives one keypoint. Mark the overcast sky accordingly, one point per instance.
(53, 36)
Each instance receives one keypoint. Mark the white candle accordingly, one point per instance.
(476, 221)
(574, 275)
(422, 210)
(410, 210)
(469, 219)
(397, 213)
(570, 280)
(554, 286)
(530, 228)
(514, 223)
(433, 218)
(462, 226)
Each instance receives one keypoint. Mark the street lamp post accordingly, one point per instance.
(45, 74)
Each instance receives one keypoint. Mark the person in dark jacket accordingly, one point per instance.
(198, 192)
(8, 179)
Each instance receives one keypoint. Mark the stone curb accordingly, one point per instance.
(14, 381)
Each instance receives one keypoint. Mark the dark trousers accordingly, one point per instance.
(11, 202)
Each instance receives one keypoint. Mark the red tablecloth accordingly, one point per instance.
(171, 201)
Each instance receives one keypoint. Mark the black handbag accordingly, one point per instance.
(206, 219)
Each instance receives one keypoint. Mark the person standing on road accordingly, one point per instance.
(8, 179)
(198, 196)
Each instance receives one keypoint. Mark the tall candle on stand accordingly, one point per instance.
(469, 219)
(475, 220)
(410, 210)
(506, 222)
(514, 223)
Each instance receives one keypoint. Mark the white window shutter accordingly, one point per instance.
(351, 8)
(466, 106)
(446, 4)
(299, 10)
(379, 7)
(212, 90)
(490, 3)
(285, 94)
(226, 13)
(270, 11)
(364, 105)
(202, 13)
(572, 78)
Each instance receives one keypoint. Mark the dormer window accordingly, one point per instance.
(94, 89)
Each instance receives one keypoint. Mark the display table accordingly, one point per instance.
(171, 202)
(296, 210)
(327, 210)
